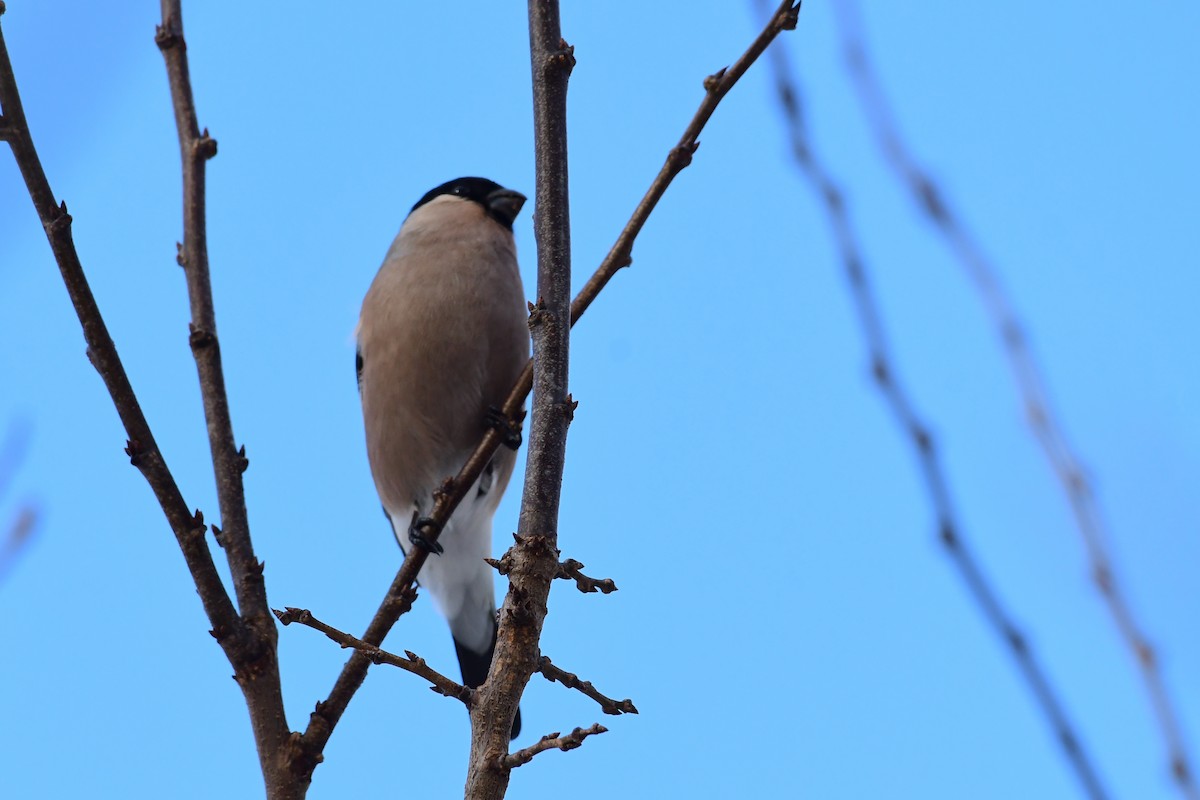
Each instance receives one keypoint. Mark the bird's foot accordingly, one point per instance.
(419, 539)
(509, 430)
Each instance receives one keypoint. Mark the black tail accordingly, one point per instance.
(475, 669)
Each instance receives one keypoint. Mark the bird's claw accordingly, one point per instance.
(420, 540)
(510, 432)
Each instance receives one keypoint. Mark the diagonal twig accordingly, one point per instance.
(716, 86)
(410, 663)
(553, 741)
(142, 449)
(1068, 466)
(571, 681)
(909, 421)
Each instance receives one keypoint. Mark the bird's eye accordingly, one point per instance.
(460, 190)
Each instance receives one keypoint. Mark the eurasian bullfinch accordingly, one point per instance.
(442, 338)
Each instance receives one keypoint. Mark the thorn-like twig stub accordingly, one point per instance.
(199, 528)
(198, 338)
(179, 257)
(61, 223)
(443, 493)
(218, 536)
(502, 565)
(537, 312)
(291, 614)
(568, 407)
(565, 57)
(164, 37)
(713, 81)
(791, 17)
(133, 449)
(681, 156)
(205, 147)
(243, 462)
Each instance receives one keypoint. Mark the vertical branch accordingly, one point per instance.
(196, 148)
(1047, 429)
(535, 554)
(257, 673)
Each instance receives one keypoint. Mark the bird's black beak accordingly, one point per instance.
(505, 204)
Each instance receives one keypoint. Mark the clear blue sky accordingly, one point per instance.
(787, 623)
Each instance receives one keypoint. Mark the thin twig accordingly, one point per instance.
(1047, 429)
(330, 711)
(258, 676)
(229, 462)
(571, 681)
(553, 741)
(142, 449)
(570, 570)
(567, 570)
(411, 662)
(901, 405)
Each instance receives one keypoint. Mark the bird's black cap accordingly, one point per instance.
(501, 204)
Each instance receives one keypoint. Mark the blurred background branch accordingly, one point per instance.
(930, 200)
(917, 432)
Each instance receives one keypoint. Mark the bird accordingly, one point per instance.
(441, 340)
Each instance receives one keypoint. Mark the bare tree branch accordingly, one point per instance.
(142, 449)
(248, 644)
(228, 462)
(1047, 429)
(571, 681)
(411, 663)
(553, 741)
(918, 432)
(329, 711)
(258, 675)
(570, 570)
